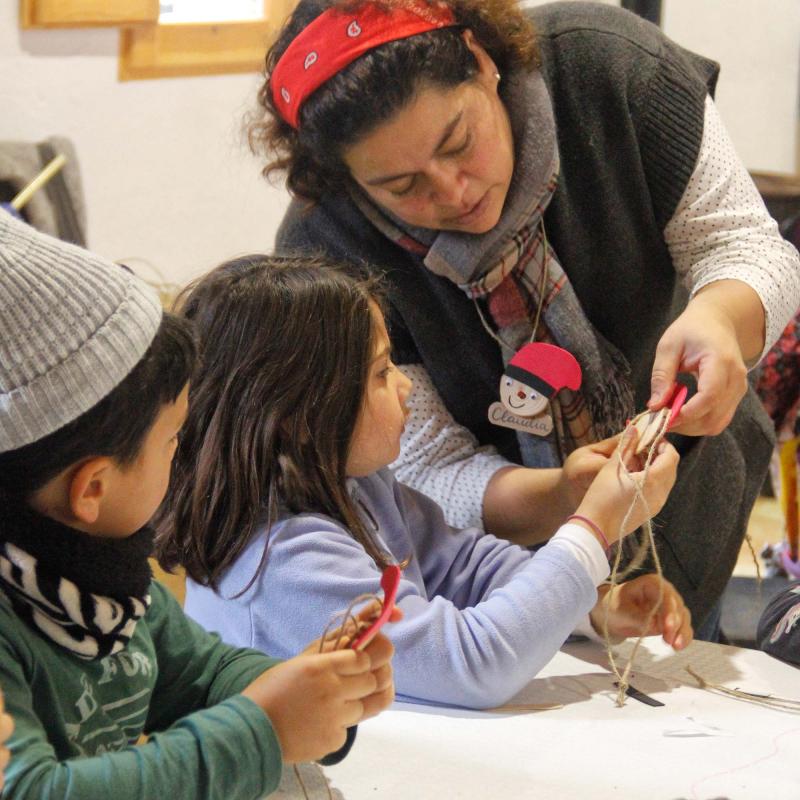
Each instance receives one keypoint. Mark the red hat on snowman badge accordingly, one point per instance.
(534, 375)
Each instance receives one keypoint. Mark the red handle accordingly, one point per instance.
(390, 582)
(676, 403)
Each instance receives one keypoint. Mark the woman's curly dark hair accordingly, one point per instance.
(375, 86)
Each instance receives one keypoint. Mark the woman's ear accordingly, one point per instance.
(486, 67)
(87, 487)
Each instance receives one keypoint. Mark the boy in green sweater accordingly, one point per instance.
(93, 652)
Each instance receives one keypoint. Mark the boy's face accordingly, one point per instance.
(136, 490)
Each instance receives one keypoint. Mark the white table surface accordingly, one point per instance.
(699, 745)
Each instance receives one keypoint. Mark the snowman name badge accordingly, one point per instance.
(532, 378)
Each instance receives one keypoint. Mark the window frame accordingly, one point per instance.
(148, 49)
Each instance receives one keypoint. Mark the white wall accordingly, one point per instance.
(757, 42)
(167, 176)
(169, 180)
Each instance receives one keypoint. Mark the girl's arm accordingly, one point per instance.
(481, 616)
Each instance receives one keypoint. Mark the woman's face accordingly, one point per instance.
(445, 160)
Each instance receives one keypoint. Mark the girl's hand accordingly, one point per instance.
(629, 604)
(581, 468)
(6, 729)
(613, 491)
(706, 341)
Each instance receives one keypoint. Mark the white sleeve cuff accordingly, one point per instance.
(585, 548)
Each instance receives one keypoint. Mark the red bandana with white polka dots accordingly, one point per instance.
(336, 38)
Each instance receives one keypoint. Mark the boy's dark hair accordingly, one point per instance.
(118, 424)
(374, 87)
(286, 345)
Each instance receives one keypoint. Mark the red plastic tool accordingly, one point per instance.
(650, 424)
(390, 582)
(679, 394)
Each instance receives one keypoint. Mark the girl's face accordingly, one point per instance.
(381, 420)
(444, 161)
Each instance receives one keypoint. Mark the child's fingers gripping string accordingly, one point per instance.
(345, 626)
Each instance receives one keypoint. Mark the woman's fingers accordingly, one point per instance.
(666, 364)
(710, 410)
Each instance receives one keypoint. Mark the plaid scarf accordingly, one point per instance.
(501, 271)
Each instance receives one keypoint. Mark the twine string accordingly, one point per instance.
(344, 624)
(303, 785)
(766, 700)
(646, 547)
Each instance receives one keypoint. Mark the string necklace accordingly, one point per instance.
(539, 305)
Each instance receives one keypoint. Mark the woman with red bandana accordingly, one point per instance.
(558, 175)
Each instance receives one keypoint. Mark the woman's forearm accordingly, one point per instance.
(743, 308)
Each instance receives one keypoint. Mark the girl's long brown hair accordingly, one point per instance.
(286, 345)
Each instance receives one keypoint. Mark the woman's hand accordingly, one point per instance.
(629, 604)
(720, 330)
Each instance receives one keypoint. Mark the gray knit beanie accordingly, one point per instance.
(72, 326)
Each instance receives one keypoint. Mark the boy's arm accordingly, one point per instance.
(201, 757)
(195, 668)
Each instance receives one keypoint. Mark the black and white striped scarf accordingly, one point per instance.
(85, 593)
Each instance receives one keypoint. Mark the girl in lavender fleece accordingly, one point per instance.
(282, 508)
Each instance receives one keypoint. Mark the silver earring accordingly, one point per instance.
(497, 76)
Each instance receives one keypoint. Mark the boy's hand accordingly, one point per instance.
(312, 699)
(581, 468)
(6, 729)
(613, 491)
(380, 650)
(629, 604)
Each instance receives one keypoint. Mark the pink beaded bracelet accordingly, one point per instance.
(594, 527)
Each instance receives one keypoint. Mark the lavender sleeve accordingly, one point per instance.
(481, 615)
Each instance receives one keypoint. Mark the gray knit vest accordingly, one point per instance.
(629, 108)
